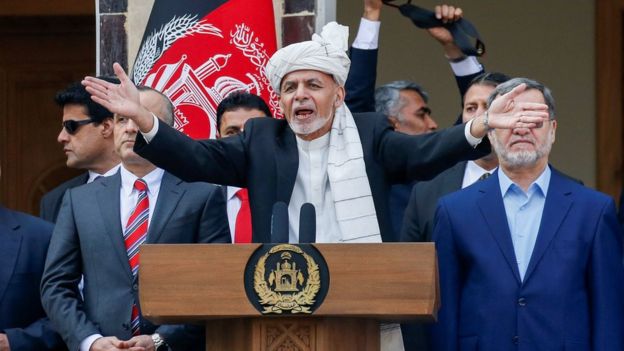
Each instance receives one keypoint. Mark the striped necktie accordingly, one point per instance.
(134, 236)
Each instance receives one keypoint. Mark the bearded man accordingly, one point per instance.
(343, 164)
(529, 259)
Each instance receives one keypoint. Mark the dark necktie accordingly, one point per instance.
(484, 176)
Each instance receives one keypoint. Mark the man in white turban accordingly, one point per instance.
(343, 164)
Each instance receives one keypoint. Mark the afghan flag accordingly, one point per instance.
(198, 52)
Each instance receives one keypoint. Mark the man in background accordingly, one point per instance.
(232, 114)
(87, 139)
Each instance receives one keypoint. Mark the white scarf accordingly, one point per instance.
(353, 200)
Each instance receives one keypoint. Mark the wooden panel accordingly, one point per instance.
(293, 334)
(192, 282)
(47, 7)
(610, 96)
(39, 56)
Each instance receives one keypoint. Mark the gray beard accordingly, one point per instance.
(523, 158)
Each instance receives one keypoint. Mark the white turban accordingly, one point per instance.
(325, 53)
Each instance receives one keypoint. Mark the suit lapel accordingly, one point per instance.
(493, 211)
(108, 200)
(556, 207)
(168, 197)
(455, 177)
(287, 163)
(10, 247)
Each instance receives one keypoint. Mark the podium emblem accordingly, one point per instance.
(287, 279)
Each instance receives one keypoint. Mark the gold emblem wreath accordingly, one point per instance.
(274, 302)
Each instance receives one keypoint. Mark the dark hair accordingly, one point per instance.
(492, 79)
(76, 94)
(388, 100)
(238, 100)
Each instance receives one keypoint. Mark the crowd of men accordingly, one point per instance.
(529, 258)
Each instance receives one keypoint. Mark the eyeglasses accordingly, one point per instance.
(71, 126)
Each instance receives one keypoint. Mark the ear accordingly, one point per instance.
(394, 122)
(553, 130)
(340, 96)
(107, 128)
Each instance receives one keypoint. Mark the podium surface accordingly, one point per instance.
(368, 283)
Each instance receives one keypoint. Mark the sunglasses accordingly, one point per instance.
(71, 126)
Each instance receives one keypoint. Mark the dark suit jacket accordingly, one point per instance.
(418, 220)
(51, 202)
(23, 245)
(621, 213)
(264, 159)
(88, 241)
(572, 295)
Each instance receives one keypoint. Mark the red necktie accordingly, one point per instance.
(134, 236)
(242, 231)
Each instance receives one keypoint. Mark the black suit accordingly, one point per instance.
(51, 201)
(418, 221)
(264, 159)
(24, 242)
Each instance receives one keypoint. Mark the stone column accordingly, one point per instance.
(111, 35)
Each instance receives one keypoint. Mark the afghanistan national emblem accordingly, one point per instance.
(287, 279)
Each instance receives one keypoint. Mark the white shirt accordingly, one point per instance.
(473, 172)
(128, 195)
(127, 201)
(312, 185)
(110, 172)
(233, 206)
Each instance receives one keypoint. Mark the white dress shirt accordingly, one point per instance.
(127, 201)
(473, 172)
(233, 206)
(110, 172)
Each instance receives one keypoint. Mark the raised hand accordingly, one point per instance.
(447, 14)
(505, 113)
(372, 9)
(120, 98)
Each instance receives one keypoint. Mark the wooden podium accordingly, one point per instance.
(369, 284)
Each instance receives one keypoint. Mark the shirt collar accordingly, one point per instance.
(110, 172)
(315, 144)
(542, 182)
(473, 168)
(152, 179)
(231, 192)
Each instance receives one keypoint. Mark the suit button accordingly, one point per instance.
(135, 287)
(522, 301)
(515, 339)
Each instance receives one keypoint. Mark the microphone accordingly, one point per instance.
(307, 224)
(279, 223)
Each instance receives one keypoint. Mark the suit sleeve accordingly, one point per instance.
(421, 157)
(37, 336)
(221, 161)
(606, 280)
(360, 85)
(445, 331)
(60, 296)
(411, 230)
(214, 227)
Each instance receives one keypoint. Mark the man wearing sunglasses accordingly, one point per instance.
(87, 138)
